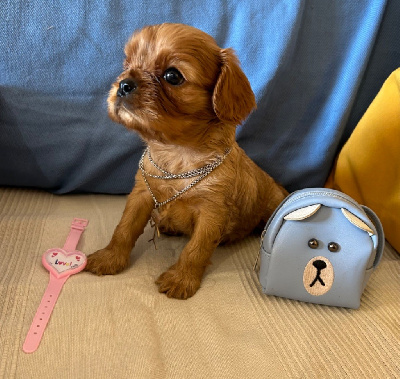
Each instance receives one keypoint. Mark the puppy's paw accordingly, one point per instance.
(106, 262)
(178, 284)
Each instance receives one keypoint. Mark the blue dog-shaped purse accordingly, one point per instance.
(320, 246)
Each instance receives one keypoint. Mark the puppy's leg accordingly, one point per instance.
(183, 279)
(273, 199)
(115, 257)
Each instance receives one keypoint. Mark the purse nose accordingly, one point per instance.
(126, 87)
(319, 265)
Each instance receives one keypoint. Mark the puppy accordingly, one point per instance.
(184, 95)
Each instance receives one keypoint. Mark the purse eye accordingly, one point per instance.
(173, 76)
(333, 247)
(313, 243)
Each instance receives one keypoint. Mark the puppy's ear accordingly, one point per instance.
(233, 98)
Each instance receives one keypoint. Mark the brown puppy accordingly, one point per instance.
(184, 96)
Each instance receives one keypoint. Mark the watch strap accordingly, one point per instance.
(43, 314)
(77, 227)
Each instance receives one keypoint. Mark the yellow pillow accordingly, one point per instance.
(368, 166)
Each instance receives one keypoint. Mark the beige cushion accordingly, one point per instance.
(121, 327)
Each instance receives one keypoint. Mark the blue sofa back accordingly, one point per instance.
(313, 65)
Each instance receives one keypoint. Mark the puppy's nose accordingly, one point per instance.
(126, 87)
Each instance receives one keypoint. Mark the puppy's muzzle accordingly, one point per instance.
(126, 87)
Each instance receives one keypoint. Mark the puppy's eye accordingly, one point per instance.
(173, 76)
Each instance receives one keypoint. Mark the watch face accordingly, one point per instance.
(61, 264)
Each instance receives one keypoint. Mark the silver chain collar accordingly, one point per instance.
(199, 173)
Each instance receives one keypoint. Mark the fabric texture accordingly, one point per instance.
(367, 167)
(121, 327)
(305, 61)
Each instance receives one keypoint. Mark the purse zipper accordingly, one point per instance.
(321, 193)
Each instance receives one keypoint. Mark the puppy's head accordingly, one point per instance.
(179, 87)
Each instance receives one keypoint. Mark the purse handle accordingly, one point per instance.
(380, 234)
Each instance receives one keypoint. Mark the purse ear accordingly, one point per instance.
(233, 98)
(357, 222)
(302, 213)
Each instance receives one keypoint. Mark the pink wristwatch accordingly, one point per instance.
(61, 263)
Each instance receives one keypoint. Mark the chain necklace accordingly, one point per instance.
(198, 173)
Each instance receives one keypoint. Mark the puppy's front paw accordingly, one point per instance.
(106, 262)
(178, 284)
